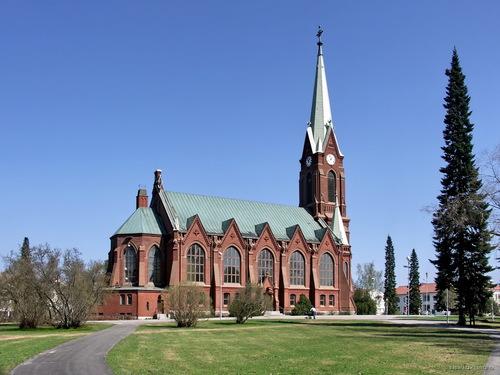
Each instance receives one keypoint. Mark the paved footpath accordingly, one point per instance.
(83, 356)
(87, 355)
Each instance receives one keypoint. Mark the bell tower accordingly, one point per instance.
(322, 178)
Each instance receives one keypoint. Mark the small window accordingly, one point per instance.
(293, 299)
(129, 299)
(331, 300)
(322, 300)
(122, 299)
(147, 306)
(332, 187)
(226, 299)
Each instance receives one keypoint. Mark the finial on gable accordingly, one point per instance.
(158, 180)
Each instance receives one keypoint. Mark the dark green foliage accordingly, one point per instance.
(441, 301)
(251, 302)
(461, 236)
(415, 300)
(390, 297)
(490, 306)
(303, 307)
(25, 248)
(365, 304)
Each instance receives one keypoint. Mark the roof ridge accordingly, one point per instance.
(235, 199)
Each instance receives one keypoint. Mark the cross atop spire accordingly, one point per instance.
(320, 43)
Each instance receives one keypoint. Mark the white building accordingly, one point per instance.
(379, 299)
(496, 294)
(428, 296)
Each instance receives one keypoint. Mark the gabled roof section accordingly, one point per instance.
(142, 221)
(214, 213)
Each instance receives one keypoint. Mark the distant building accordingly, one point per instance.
(428, 295)
(496, 294)
(378, 296)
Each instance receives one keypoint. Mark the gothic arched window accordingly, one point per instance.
(265, 265)
(196, 264)
(309, 197)
(332, 186)
(232, 262)
(154, 266)
(297, 269)
(326, 273)
(130, 265)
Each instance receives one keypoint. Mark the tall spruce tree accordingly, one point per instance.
(461, 236)
(415, 300)
(390, 297)
(25, 248)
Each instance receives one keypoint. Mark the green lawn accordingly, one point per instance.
(480, 322)
(300, 347)
(18, 345)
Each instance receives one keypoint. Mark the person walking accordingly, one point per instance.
(313, 312)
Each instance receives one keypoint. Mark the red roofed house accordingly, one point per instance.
(427, 293)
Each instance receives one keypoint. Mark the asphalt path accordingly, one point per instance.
(86, 355)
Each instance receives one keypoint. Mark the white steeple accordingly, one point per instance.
(321, 114)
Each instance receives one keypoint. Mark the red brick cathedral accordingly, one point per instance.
(221, 244)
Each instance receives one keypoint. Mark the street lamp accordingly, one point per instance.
(408, 291)
(220, 277)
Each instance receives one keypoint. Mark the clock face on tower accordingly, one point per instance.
(330, 159)
(309, 161)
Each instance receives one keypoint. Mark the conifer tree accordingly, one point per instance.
(415, 300)
(390, 297)
(461, 236)
(25, 248)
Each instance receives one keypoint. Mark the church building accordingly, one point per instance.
(222, 244)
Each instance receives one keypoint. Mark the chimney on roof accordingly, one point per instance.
(142, 198)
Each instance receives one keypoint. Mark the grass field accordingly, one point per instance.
(18, 345)
(300, 347)
(480, 322)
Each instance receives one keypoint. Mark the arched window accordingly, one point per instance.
(265, 265)
(154, 266)
(332, 186)
(196, 264)
(232, 261)
(326, 272)
(130, 265)
(297, 268)
(293, 299)
(309, 197)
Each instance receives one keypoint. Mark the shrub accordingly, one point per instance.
(303, 307)
(251, 302)
(365, 305)
(187, 303)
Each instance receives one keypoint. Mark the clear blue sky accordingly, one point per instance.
(94, 96)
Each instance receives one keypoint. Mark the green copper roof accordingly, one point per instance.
(143, 220)
(215, 212)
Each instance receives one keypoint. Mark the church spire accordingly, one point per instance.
(321, 114)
